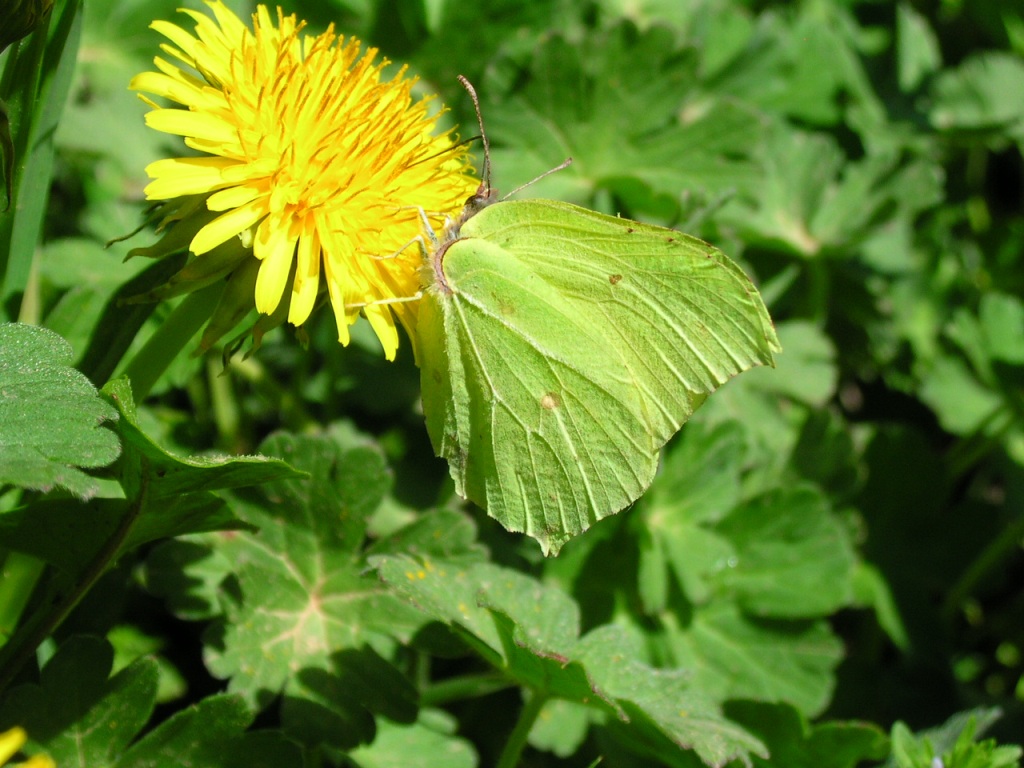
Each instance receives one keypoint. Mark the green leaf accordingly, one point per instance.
(1002, 322)
(736, 656)
(531, 633)
(805, 371)
(782, 554)
(35, 85)
(623, 105)
(953, 744)
(131, 643)
(190, 575)
(871, 590)
(210, 733)
(419, 745)
(663, 708)
(75, 712)
(51, 418)
(336, 705)
(960, 401)
(825, 454)
(69, 535)
(305, 620)
(917, 49)
(698, 486)
(83, 719)
(168, 496)
(794, 743)
(811, 200)
(560, 727)
(62, 532)
(166, 475)
(797, 63)
(560, 349)
(981, 97)
(793, 557)
(85, 274)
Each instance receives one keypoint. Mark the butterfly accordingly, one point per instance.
(561, 348)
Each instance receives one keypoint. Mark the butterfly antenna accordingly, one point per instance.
(484, 191)
(561, 166)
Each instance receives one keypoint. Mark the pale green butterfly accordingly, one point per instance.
(561, 348)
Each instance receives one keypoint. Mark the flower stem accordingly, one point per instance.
(21, 572)
(150, 363)
(465, 687)
(991, 558)
(517, 740)
(52, 612)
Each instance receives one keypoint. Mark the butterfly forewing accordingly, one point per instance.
(682, 316)
(563, 348)
(540, 420)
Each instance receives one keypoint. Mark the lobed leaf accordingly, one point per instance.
(530, 632)
(51, 418)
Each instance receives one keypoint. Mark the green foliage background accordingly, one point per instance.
(831, 546)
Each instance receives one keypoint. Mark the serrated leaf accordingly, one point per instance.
(204, 734)
(662, 703)
(699, 484)
(792, 65)
(51, 417)
(530, 632)
(953, 744)
(189, 574)
(75, 712)
(960, 401)
(560, 727)
(617, 105)
(783, 554)
(167, 475)
(805, 371)
(301, 595)
(793, 558)
(418, 745)
(183, 514)
(442, 533)
(795, 743)
(338, 705)
(69, 535)
(736, 656)
(982, 95)
(812, 200)
(485, 602)
(167, 495)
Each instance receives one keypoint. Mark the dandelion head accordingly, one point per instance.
(305, 151)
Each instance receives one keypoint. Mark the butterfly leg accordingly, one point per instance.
(396, 300)
(421, 240)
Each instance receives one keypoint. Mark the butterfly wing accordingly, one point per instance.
(679, 311)
(565, 348)
(541, 424)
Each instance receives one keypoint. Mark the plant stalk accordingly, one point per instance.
(517, 740)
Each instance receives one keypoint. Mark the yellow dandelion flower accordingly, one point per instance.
(13, 740)
(310, 154)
